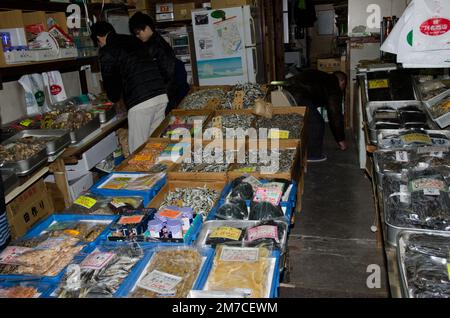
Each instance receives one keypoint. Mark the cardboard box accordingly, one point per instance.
(329, 65)
(219, 4)
(27, 209)
(182, 11)
(78, 186)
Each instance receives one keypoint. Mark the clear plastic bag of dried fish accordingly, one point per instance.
(293, 123)
(391, 139)
(84, 230)
(201, 98)
(441, 108)
(424, 259)
(90, 203)
(171, 273)
(101, 273)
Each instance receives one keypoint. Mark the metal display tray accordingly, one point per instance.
(207, 227)
(25, 167)
(79, 134)
(10, 180)
(386, 132)
(436, 99)
(402, 240)
(106, 115)
(62, 138)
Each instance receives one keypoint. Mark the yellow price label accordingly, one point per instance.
(412, 138)
(85, 202)
(278, 134)
(381, 83)
(226, 232)
(72, 232)
(143, 157)
(26, 122)
(247, 169)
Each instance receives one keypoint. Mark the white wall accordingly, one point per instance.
(12, 98)
(357, 11)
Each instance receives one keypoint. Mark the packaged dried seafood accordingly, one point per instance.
(85, 230)
(23, 289)
(90, 203)
(241, 268)
(101, 273)
(441, 108)
(171, 273)
(145, 159)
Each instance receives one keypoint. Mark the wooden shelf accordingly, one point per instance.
(15, 71)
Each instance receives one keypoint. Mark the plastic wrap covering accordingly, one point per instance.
(90, 203)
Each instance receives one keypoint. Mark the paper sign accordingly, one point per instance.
(278, 134)
(239, 254)
(427, 184)
(425, 150)
(133, 219)
(263, 232)
(85, 201)
(160, 282)
(401, 156)
(97, 260)
(170, 214)
(226, 232)
(10, 253)
(376, 84)
(430, 191)
(419, 138)
(26, 122)
(268, 195)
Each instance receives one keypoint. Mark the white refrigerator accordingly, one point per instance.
(228, 46)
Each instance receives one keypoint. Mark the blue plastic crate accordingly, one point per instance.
(110, 246)
(42, 287)
(43, 225)
(138, 271)
(287, 206)
(275, 279)
(147, 195)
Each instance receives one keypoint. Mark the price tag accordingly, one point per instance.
(170, 214)
(448, 270)
(246, 169)
(213, 103)
(278, 134)
(143, 157)
(431, 191)
(268, 195)
(26, 122)
(432, 150)
(428, 185)
(416, 138)
(401, 156)
(263, 232)
(10, 253)
(238, 101)
(379, 83)
(85, 202)
(226, 232)
(133, 219)
(404, 193)
(97, 260)
(160, 282)
(72, 232)
(217, 122)
(239, 254)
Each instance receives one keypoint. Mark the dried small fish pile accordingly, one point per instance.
(100, 280)
(47, 259)
(231, 122)
(425, 263)
(67, 118)
(23, 148)
(288, 122)
(201, 200)
(285, 159)
(19, 292)
(252, 91)
(181, 265)
(83, 230)
(200, 99)
(209, 162)
(441, 108)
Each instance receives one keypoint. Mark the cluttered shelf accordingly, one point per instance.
(171, 23)
(15, 71)
(53, 6)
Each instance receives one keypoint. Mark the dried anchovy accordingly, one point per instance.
(201, 200)
(23, 148)
(285, 158)
(252, 91)
(208, 162)
(426, 266)
(199, 99)
(290, 122)
(235, 121)
(106, 281)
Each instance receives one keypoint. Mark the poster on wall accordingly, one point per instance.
(219, 68)
(229, 36)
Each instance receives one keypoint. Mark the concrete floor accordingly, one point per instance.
(331, 244)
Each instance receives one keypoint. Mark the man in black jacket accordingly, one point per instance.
(172, 69)
(315, 89)
(129, 73)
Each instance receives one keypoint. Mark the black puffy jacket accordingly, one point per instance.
(128, 71)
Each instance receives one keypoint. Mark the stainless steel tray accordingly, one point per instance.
(436, 99)
(10, 180)
(107, 115)
(386, 132)
(25, 167)
(207, 227)
(402, 240)
(62, 138)
(79, 134)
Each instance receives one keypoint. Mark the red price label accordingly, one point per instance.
(435, 26)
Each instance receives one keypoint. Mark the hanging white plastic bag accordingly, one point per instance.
(55, 86)
(431, 25)
(35, 99)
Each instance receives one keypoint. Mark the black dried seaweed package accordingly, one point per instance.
(225, 235)
(265, 233)
(243, 191)
(234, 209)
(264, 211)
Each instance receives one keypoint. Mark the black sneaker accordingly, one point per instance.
(317, 158)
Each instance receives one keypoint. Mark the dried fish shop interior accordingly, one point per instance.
(225, 148)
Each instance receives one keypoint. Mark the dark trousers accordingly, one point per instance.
(316, 129)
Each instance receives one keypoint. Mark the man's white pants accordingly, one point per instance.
(143, 119)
